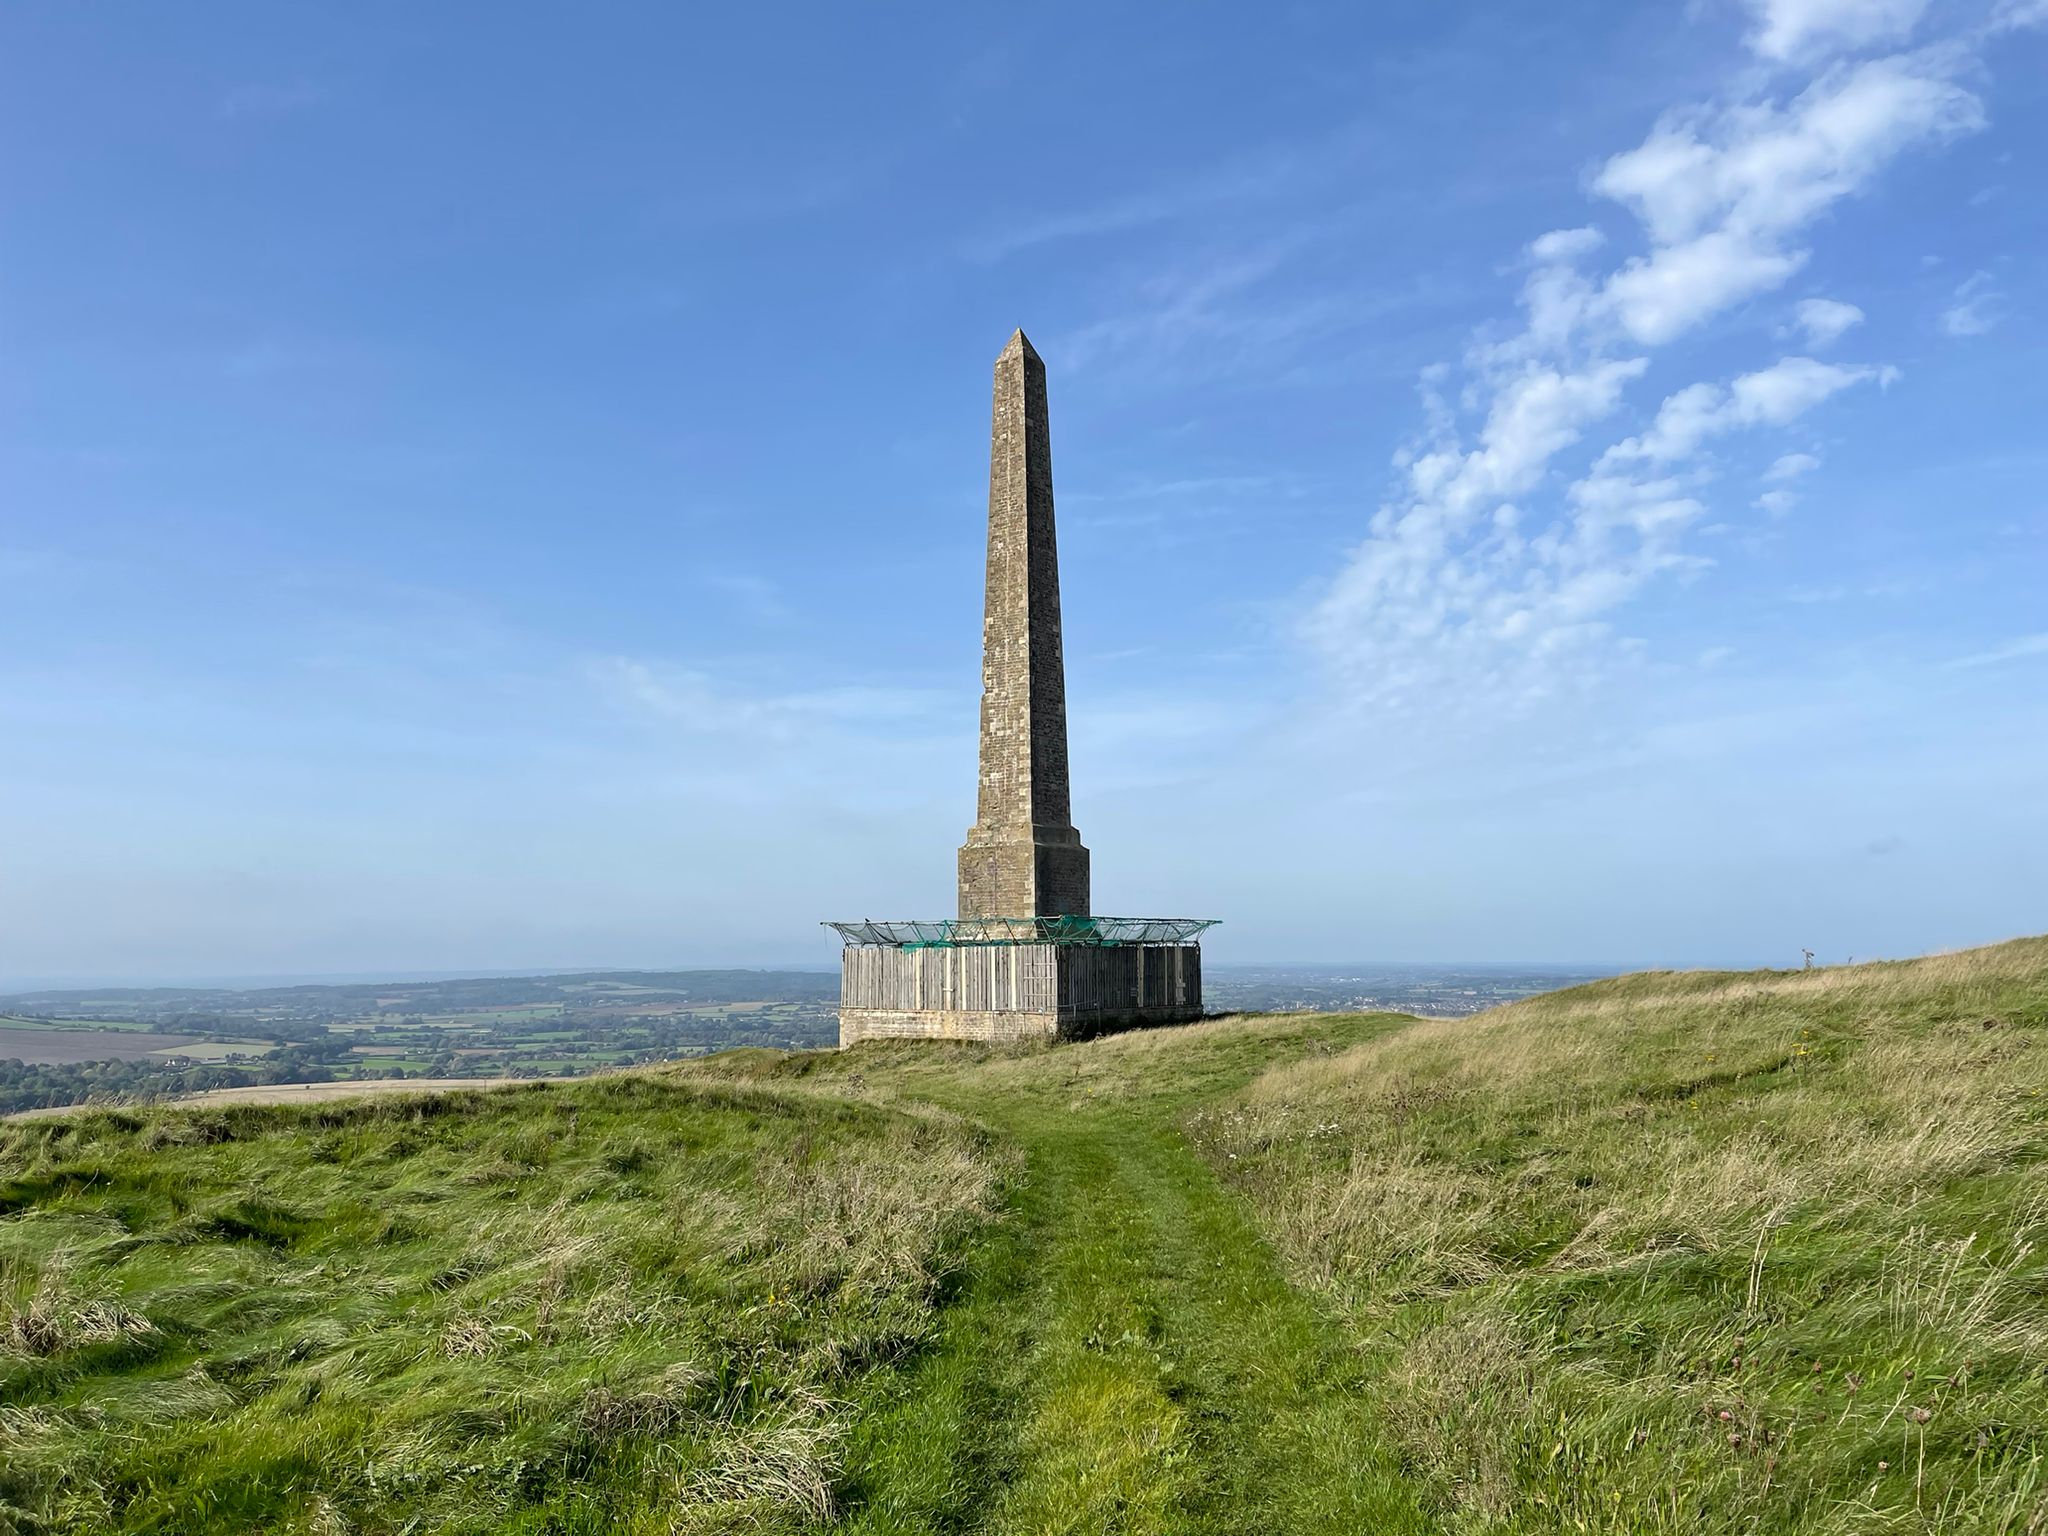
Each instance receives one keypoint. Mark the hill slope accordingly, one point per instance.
(1665, 1252)
(1691, 1252)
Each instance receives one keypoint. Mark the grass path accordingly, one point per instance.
(1126, 1356)
(1119, 1352)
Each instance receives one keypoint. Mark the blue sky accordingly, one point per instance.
(503, 486)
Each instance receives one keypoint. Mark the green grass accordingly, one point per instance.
(1667, 1253)
(573, 1309)
(1132, 1358)
(1701, 1253)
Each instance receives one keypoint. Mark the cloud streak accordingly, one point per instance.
(2022, 649)
(697, 703)
(1824, 320)
(1259, 177)
(1723, 192)
(1787, 30)
(1451, 604)
(1977, 308)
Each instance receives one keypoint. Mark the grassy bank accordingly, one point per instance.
(1690, 1252)
(558, 1309)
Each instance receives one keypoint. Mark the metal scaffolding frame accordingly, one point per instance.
(952, 932)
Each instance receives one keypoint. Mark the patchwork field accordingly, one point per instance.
(11, 1021)
(63, 1046)
(71, 1047)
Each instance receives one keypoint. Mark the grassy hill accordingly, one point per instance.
(1691, 1252)
(1667, 1252)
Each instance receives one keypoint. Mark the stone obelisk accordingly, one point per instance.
(1022, 857)
(996, 974)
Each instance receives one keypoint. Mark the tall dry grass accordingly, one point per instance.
(1718, 1233)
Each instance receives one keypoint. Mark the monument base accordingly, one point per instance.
(1032, 990)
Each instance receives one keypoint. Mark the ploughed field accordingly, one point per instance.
(1669, 1252)
(54, 1047)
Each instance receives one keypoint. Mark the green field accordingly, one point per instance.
(486, 1027)
(525, 1014)
(16, 1021)
(222, 1050)
(1721, 1253)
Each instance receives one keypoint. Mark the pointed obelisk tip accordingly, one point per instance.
(1018, 342)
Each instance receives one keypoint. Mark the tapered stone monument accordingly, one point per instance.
(1022, 857)
(1024, 957)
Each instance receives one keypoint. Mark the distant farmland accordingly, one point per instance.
(62, 1047)
(68, 1047)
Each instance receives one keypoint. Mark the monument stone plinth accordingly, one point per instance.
(1024, 957)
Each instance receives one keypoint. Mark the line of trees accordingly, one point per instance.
(45, 1085)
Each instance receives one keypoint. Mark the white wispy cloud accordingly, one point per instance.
(1566, 245)
(2010, 15)
(1790, 466)
(1262, 175)
(1977, 307)
(1450, 602)
(699, 702)
(1197, 301)
(1772, 396)
(1229, 312)
(1723, 192)
(2018, 650)
(1173, 510)
(1824, 320)
(1794, 29)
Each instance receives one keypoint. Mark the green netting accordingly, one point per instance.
(951, 931)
